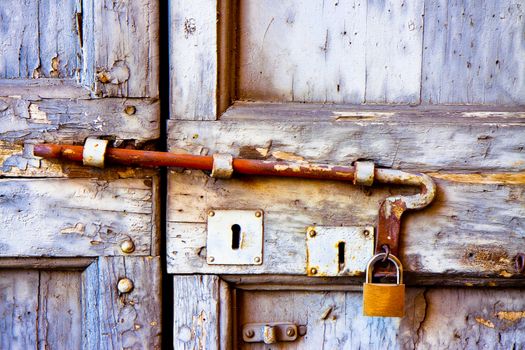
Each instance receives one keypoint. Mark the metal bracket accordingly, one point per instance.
(235, 237)
(271, 333)
(94, 152)
(338, 251)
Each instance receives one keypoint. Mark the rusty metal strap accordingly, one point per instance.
(391, 210)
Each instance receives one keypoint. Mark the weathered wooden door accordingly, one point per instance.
(70, 235)
(425, 86)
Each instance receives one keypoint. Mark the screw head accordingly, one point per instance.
(211, 213)
(313, 271)
(125, 285)
(257, 259)
(130, 110)
(366, 233)
(258, 214)
(290, 331)
(127, 246)
(249, 333)
(211, 259)
(312, 233)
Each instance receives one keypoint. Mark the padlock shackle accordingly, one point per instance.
(370, 266)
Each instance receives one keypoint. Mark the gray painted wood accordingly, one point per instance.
(472, 228)
(125, 58)
(18, 309)
(196, 301)
(75, 217)
(193, 59)
(473, 52)
(130, 320)
(59, 310)
(330, 51)
(431, 52)
(435, 319)
(90, 306)
(48, 47)
(459, 141)
(68, 121)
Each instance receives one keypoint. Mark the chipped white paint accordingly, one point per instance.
(73, 217)
(37, 116)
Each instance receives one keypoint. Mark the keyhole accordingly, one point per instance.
(236, 236)
(341, 253)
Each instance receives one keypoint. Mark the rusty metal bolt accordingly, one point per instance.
(312, 232)
(257, 259)
(211, 213)
(249, 333)
(127, 246)
(258, 214)
(125, 285)
(290, 331)
(211, 259)
(313, 271)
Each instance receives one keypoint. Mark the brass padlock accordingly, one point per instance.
(384, 299)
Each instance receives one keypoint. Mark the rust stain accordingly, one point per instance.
(486, 323)
(484, 178)
(512, 316)
(487, 257)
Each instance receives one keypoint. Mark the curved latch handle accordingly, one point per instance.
(392, 208)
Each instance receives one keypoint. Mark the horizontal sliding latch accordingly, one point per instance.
(224, 165)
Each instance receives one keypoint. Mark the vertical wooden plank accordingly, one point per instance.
(18, 39)
(59, 311)
(18, 309)
(90, 307)
(193, 59)
(393, 51)
(59, 42)
(196, 301)
(302, 51)
(225, 315)
(87, 77)
(474, 52)
(130, 320)
(126, 48)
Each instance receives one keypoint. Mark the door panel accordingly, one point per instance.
(74, 304)
(71, 70)
(435, 319)
(470, 228)
(357, 52)
(18, 309)
(432, 87)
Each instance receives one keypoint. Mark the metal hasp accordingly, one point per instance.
(271, 333)
(361, 173)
